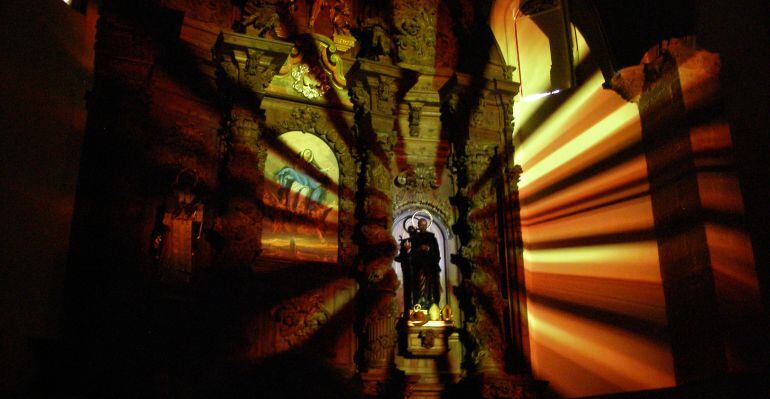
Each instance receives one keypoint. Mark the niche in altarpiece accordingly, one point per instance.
(301, 199)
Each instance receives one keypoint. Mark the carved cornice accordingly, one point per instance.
(250, 62)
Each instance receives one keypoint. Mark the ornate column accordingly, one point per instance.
(482, 288)
(371, 86)
(244, 157)
(246, 64)
(480, 122)
(514, 290)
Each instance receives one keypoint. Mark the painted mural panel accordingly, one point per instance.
(301, 201)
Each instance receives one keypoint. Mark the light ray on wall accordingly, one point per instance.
(594, 347)
(596, 307)
(629, 261)
(586, 141)
(536, 141)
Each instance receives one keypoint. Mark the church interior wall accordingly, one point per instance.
(558, 140)
(602, 315)
(591, 282)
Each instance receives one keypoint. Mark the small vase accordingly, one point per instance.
(434, 312)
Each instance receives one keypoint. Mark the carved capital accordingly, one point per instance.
(415, 109)
(478, 159)
(386, 141)
(379, 81)
(359, 96)
(385, 95)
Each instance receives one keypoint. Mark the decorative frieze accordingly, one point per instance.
(421, 178)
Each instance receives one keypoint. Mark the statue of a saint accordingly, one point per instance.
(419, 258)
(177, 233)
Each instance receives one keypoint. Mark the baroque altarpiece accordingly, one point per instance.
(246, 171)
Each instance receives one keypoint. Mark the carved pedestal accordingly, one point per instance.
(429, 357)
(428, 340)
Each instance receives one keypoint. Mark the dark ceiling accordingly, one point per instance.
(623, 30)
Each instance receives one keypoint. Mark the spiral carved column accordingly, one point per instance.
(484, 227)
(378, 281)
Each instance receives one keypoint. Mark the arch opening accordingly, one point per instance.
(449, 273)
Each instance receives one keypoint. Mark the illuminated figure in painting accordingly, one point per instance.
(291, 180)
(301, 194)
(419, 257)
(301, 208)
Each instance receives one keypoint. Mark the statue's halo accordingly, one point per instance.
(427, 212)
